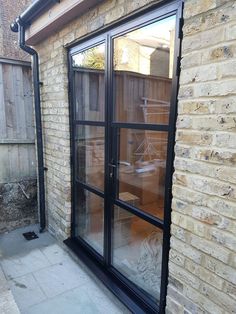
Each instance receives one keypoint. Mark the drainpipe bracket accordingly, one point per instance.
(14, 27)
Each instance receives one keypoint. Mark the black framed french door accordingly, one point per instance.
(123, 90)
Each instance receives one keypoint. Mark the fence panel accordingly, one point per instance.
(18, 187)
(17, 158)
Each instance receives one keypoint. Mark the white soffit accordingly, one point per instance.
(56, 17)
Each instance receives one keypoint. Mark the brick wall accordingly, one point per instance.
(202, 257)
(9, 10)
(203, 244)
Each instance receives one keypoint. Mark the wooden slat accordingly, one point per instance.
(23, 160)
(4, 164)
(15, 62)
(13, 156)
(28, 100)
(16, 141)
(20, 105)
(32, 161)
(3, 130)
(9, 100)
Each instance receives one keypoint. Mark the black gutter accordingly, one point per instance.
(15, 27)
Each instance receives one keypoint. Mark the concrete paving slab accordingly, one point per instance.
(46, 278)
(26, 291)
(61, 277)
(104, 299)
(14, 267)
(14, 244)
(55, 254)
(75, 301)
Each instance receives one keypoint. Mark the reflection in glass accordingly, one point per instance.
(89, 83)
(142, 164)
(90, 155)
(90, 218)
(143, 66)
(137, 251)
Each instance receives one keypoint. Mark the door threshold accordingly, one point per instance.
(119, 289)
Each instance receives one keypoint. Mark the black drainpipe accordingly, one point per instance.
(15, 27)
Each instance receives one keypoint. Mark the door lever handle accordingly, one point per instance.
(112, 170)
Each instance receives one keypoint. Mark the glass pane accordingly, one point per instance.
(137, 251)
(143, 65)
(141, 169)
(90, 84)
(90, 219)
(90, 155)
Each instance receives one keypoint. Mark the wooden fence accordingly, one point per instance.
(131, 90)
(17, 149)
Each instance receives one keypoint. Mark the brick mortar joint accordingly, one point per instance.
(209, 10)
(187, 35)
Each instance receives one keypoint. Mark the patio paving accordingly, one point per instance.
(45, 278)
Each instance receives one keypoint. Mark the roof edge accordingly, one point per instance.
(33, 11)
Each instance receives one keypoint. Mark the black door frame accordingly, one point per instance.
(135, 300)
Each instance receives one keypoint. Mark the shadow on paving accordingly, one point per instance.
(45, 278)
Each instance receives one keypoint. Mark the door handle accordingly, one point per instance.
(124, 163)
(112, 169)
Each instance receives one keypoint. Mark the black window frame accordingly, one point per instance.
(118, 284)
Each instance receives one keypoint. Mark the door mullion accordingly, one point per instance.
(108, 138)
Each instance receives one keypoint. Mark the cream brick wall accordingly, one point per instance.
(202, 262)
(55, 119)
(203, 243)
